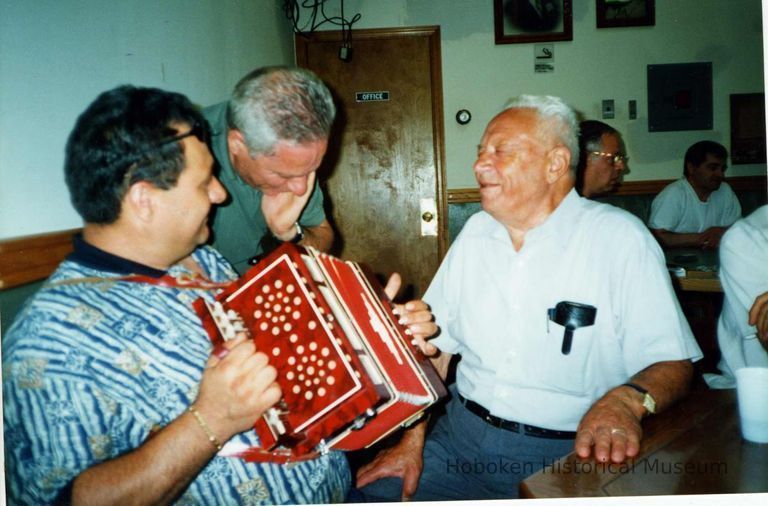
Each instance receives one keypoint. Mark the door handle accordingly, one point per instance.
(428, 217)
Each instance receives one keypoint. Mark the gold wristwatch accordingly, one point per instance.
(649, 403)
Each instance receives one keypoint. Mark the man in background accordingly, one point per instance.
(742, 330)
(269, 140)
(527, 392)
(602, 159)
(696, 210)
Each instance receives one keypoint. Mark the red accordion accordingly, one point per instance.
(347, 369)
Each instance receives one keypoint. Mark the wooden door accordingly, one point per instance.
(386, 151)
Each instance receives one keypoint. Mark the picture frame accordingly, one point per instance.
(525, 21)
(748, 128)
(624, 13)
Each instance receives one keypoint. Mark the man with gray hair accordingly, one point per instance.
(269, 140)
(564, 316)
(602, 159)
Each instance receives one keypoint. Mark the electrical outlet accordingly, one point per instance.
(608, 109)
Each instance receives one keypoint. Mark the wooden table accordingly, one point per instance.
(699, 281)
(700, 269)
(695, 447)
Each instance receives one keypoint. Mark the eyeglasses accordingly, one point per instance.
(617, 158)
(198, 130)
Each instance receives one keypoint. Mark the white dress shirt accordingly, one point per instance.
(491, 304)
(744, 276)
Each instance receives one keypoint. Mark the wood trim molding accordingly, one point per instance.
(651, 187)
(33, 257)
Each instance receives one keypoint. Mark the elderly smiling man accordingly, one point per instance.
(564, 316)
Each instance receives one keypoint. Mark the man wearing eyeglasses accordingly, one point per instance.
(111, 394)
(269, 140)
(602, 160)
(696, 210)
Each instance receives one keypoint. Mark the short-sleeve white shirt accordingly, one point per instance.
(744, 276)
(678, 209)
(491, 304)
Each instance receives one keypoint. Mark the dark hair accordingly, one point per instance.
(697, 153)
(121, 139)
(590, 139)
(273, 104)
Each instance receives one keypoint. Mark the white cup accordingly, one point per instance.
(752, 389)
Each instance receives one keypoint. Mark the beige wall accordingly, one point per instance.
(598, 64)
(57, 55)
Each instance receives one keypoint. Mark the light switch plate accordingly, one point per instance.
(633, 109)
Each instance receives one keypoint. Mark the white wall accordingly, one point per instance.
(598, 64)
(57, 55)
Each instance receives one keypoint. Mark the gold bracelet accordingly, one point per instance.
(208, 432)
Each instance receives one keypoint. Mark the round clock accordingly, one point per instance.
(463, 117)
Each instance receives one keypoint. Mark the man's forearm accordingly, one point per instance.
(157, 472)
(319, 237)
(674, 240)
(665, 381)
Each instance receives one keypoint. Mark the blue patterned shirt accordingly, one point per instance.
(90, 369)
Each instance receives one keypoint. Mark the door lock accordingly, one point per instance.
(428, 217)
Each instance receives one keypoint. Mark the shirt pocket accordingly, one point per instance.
(568, 373)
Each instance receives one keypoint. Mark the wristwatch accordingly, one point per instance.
(649, 403)
(299, 234)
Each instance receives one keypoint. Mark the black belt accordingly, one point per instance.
(528, 430)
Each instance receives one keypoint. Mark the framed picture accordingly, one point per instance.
(620, 13)
(522, 21)
(748, 128)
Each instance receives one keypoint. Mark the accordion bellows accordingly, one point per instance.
(347, 369)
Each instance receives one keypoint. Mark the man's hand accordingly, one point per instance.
(415, 315)
(611, 427)
(402, 461)
(282, 211)
(710, 238)
(758, 316)
(235, 390)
